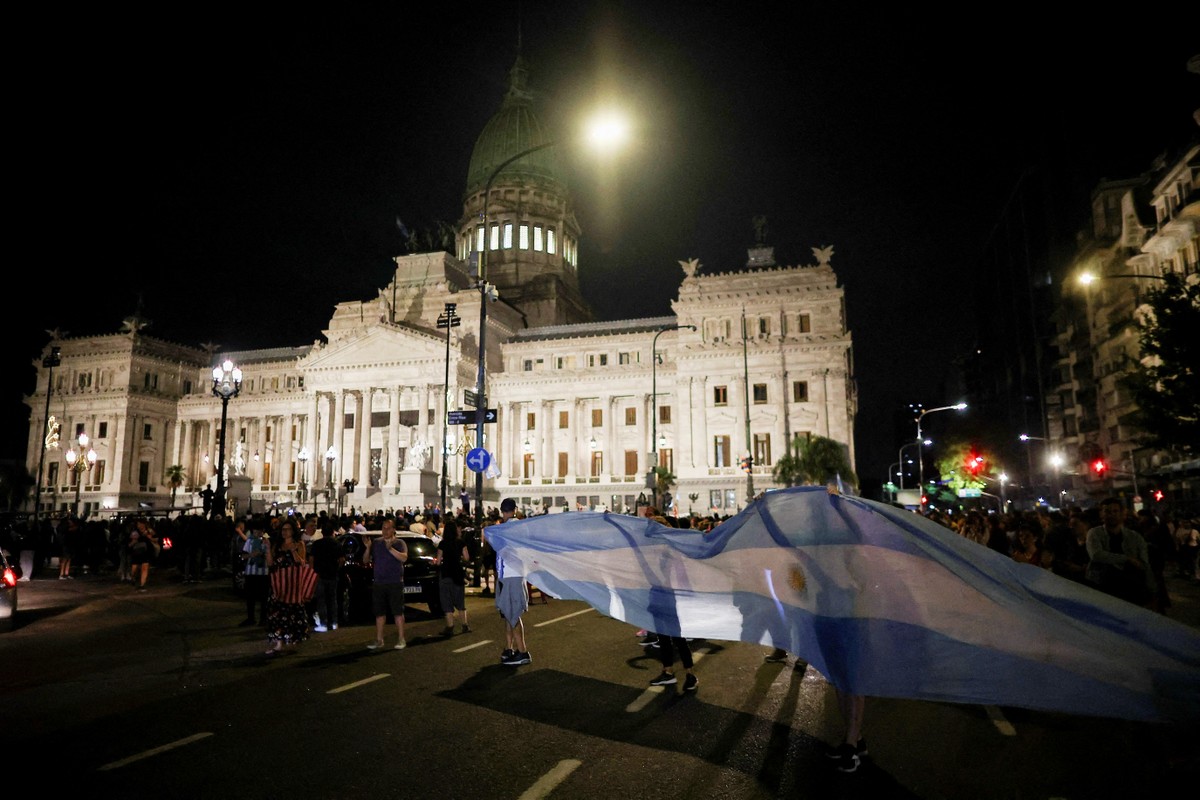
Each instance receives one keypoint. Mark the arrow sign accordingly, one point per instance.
(478, 459)
(489, 415)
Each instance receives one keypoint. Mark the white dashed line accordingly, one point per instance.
(357, 684)
(472, 646)
(547, 783)
(997, 717)
(148, 753)
(566, 616)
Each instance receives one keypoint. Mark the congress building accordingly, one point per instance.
(367, 415)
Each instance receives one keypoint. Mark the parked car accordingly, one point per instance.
(420, 575)
(9, 573)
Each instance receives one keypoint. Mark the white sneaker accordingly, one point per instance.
(320, 628)
(400, 645)
(335, 626)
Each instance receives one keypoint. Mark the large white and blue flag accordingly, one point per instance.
(881, 601)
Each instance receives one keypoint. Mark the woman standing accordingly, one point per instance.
(452, 585)
(287, 617)
(141, 552)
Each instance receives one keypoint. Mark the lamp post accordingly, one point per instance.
(746, 398)
(1003, 497)
(921, 416)
(1026, 438)
(448, 319)
(227, 384)
(900, 456)
(330, 455)
(303, 457)
(654, 443)
(1087, 278)
(80, 463)
(49, 362)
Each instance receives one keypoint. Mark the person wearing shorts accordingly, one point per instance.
(387, 555)
(512, 600)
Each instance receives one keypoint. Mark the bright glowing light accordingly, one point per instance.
(607, 131)
(1087, 278)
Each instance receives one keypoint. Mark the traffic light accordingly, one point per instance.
(746, 463)
(924, 500)
(974, 463)
(1158, 495)
(1099, 466)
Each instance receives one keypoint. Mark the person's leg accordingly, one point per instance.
(379, 623)
(852, 706)
(518, 636)
(398, 615)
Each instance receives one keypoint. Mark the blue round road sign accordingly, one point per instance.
(478, 459)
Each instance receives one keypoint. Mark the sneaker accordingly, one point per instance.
(320, 628)
(447, 632)
(506, 655)
(690, 683)
(778, 656)
(650, 640)
(335, 626)
(845, 759)
(400, 645)
(517, 659)
(860, 749)
(664, 679)
(466, 628)
(375, 645)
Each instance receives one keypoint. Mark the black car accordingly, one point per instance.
(9, 574)
(420, 575)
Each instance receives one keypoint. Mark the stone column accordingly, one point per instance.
(391, 441)
(364, 438)
(339, 438)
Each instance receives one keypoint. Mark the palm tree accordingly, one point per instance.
(175, 479)
(814, 460)
(664, 479)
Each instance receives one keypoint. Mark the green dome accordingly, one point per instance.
(514, 128)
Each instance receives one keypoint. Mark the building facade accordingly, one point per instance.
(751, 357)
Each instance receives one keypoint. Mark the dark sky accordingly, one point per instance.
(241, 171)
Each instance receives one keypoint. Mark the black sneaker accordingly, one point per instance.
(860, 750)
(664, 679)
(778, 656)
(506, 655)
(517, 659)
(690, 683)
(846, 759)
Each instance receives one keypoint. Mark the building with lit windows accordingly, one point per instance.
(752, 356)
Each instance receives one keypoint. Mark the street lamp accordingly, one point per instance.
(1003, 498)
(303, 457)
(1087, 278)
(1026, 438)
(448, 319)
(330, 455)
(655, 443)
(900, 456)
(80, 463)
(921, 416)
(227, 383)
(49, 362)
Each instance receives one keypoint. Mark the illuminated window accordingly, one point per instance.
(721, 451)
(550, 240)
(495, 237)
(508, 235)
(479, 239)
(523, 236)
(537, 238)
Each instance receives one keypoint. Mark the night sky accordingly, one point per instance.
(241, 172)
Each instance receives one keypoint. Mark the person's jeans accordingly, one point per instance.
(327, 601)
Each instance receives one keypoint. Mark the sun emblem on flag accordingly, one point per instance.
(796, 579)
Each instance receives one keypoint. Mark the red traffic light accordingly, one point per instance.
(924, 499)
(1099, 466)
(1158, 495)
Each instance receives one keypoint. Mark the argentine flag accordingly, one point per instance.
(881, 601)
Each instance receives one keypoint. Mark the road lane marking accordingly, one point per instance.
(357, 684)
(547, 783)
(997, 717)
(565, 616)
(472, 646)
(645, 697)
(148, 753)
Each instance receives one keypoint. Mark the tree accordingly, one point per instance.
(15, 485)
(1166, 383)
(960, 466)
(175, 479)
(664, 479)
(814, 460)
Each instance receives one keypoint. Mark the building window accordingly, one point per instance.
(762, 449)
(597, 417)
(720, 395)
(631, 465)
(721, 451)
(85, 380)
(564, 461)
(664, 415)
(98, 473)
(527, 365)
(631, 416)
(624, 358)
(550, 241)
(760, 393)
(530, 421)
(508, 230)
(799, 391)
(187, 387)
(523, 236)
(102, 430)
(666, 459)
(147, 431)
(527, 466)
(479, 239)
(564, 419)
(494, 237)
(764, 326)
(803, 324)
(714, 498)
(597, 463)
(537, 238)
(144, 474)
